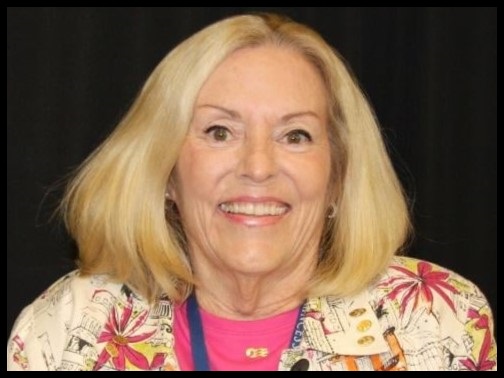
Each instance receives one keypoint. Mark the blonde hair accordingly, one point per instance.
(115, 205)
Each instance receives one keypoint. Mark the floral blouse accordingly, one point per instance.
(416, 316)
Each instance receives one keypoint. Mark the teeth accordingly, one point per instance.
(256, 209)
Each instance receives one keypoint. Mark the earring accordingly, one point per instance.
(333, 210)
(168, 201)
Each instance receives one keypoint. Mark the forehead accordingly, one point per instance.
(265, 75)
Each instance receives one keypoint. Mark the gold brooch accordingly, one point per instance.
(256, 352)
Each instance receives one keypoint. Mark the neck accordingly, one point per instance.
(245, 296)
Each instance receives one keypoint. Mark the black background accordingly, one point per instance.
(430, 74)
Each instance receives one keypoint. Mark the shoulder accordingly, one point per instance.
(41, 331)
(92, 323)
(421, 284)
(426, 303)
(421, 269)
(72, 291)
(426, 316)
(427, 279)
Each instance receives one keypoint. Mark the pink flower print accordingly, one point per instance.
(119, 333)
(419, 287)
(483, 363)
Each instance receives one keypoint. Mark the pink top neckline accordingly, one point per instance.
(236, 344)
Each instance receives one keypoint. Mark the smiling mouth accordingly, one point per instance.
(261, 209)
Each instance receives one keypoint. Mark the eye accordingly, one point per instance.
(218, 133)
(298, 136)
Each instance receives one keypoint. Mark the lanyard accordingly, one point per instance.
(198, 346)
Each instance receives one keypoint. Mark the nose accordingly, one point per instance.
(258, 162)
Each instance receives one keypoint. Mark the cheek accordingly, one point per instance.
(312, 175)
(197, 174)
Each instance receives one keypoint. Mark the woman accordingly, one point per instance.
(244, 215)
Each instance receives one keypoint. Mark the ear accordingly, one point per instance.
(170, 191)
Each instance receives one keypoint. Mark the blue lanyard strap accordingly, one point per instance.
(198, 346)
(297, 335)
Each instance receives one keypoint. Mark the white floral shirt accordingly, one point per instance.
(417, 316)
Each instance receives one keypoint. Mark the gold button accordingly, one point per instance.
(357, 312)
(364, 325)
(365, 340)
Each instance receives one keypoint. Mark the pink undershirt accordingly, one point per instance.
(227, 340)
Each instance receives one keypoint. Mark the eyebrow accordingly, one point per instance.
(235, 115)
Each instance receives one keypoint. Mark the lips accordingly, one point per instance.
(255, 209)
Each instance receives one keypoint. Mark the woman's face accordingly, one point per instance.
(252, 178)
